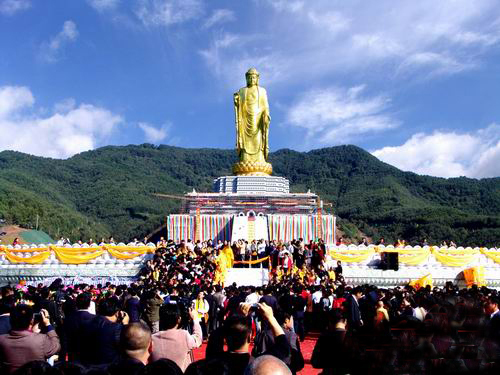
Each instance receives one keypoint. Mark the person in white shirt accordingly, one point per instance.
(316, 296)
(255, 296)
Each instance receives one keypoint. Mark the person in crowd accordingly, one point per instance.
(269, 299)
(6, 306)
(331, 352)
(163, 366)
(175, 343)
(264, 341)
(23, 344)
(74, 325)
(133, 305)
(153, 302)
(338, 270)
(100, 339)
(237, 333)
(267, 364)
(135, 344)
(354, 313)
(219, 299)
(201, 308)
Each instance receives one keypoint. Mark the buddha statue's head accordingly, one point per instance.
(252, 76)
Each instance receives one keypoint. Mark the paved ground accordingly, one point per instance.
(307, 348)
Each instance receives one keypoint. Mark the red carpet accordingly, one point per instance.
(307, 348)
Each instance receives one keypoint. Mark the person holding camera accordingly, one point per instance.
(175, 343)
(100, 338)
(23, 344)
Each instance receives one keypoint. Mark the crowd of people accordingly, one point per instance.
(179, 301)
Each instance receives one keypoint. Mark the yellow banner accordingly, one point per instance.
(34, 259)
(75, 250)
(492, 254)
(69, 258)
(414, 258)
(121, 255)
(352, 256)
(455, 258)
(422, 282)
(33, 250)
(130, 249)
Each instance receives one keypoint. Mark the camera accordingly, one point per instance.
(37, 318)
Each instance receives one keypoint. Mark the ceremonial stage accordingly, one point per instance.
(361, 265)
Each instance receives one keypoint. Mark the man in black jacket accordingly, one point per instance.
(74, 324)
(354, 318)
(6, 306)
(100, 340)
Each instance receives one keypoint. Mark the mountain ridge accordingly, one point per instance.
(109, 191)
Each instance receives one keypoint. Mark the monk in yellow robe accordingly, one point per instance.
(221, 269)
(228, 253)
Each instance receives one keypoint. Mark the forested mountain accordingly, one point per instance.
(109, 191)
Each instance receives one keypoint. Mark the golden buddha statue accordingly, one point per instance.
(252, 128)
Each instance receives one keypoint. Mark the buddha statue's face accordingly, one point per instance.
(252, 79)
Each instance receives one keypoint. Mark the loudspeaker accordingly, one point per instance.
(391, 260)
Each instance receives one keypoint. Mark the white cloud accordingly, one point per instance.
(69, 130)
(448, 154)
(439, 63)
(50, 51)
(316, 39)
(335, 115)
(14, 98)
(219, 16)
(168, 12)
(270, 65)
(287, 5)
(332, 22)
(10, 7)
(103, 5)
(153, 134)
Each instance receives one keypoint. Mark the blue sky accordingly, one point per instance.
(416, 83)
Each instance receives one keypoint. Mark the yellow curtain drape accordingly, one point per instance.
(414, 258)
(130, 249)
(68, 257)
(75, 250)
(34, 259)
(33, 250)
(454, 258)
(121, 255)
(492, 254)
(352, 256)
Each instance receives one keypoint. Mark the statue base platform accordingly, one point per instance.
(252, 185)
(250, 168)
